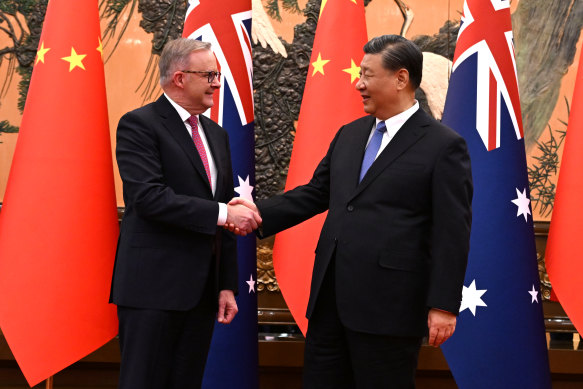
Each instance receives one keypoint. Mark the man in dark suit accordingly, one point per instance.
(175, 267)
(392, 254)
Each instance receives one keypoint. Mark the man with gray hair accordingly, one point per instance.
(175, 267)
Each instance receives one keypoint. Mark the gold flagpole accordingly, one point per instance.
(49, 383)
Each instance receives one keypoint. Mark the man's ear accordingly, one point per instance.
(178, 79)
(402, 78)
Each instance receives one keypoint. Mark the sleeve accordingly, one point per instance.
(301, 203)
(452, 191)
(145, 187)
(228, 266)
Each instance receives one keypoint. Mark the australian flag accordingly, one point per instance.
(499, 341)
(233, 359)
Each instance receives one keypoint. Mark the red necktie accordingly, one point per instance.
(193, 121)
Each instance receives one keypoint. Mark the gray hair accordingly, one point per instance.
(175, 56)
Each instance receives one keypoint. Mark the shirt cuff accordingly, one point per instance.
(222, 214)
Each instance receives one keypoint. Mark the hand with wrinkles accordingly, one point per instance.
(249, 207)
(227, 307)
(441, 326)
(242, 216)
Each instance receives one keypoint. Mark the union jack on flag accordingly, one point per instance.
(499, 341)
(486, 30)
(226, 25)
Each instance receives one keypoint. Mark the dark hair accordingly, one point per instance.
(398, 53)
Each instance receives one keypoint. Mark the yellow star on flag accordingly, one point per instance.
(353, 70)
(319, 64)
(75, 60)
(40, 54)
(322, 6)
(100, 47)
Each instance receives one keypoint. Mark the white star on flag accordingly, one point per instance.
(251, 284)
(533, 294)
(244, 189)
(471, 298)
(522, 203)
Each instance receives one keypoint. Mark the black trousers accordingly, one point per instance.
(165, 349)
(339, 358)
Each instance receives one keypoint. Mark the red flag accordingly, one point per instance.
(58, 225)
(563, 259)
(330, 101)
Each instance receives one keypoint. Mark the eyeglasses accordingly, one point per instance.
(211, 75)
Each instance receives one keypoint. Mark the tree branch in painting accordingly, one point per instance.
(21, 51)
(546, 34)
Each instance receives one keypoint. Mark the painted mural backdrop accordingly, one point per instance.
(548, 45)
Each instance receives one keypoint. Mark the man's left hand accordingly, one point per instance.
(441, 326)
(227, 307)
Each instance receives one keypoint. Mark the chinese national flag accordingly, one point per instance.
(564, 261)
(330, 101)
(58, 225)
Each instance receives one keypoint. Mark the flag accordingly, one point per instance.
(58, 225)
(233, 356)
(563, 262)
(330, 100)
(499, 341)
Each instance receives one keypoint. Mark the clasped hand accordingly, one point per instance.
(242, 216)
(441, 326)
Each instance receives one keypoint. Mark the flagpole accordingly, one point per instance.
(49, 383)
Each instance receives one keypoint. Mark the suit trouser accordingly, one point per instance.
(338, 358)
(165, 349)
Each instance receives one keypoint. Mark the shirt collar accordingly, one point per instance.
(394, 123)
(184, 115)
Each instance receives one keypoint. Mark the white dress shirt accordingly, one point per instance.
(393, 125)
(184, 115)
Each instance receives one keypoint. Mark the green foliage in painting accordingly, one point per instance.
(23, 41)
(7, 127)
(272, 8)
(24, 7)
(111, 10)
(23, 84)
(542, 172)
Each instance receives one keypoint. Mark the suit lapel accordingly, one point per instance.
(413, 130)
(174, 125)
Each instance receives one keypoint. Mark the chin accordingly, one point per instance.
(368, 110)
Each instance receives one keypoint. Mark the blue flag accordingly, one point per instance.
(499, 341)
(233, 359)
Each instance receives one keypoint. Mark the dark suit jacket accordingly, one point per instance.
(169, 242)
(400, 238)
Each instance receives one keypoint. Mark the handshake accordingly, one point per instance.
(242, 216)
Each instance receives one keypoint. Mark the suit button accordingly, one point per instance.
(350, 208)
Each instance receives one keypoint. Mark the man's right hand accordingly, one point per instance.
(242, 218)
